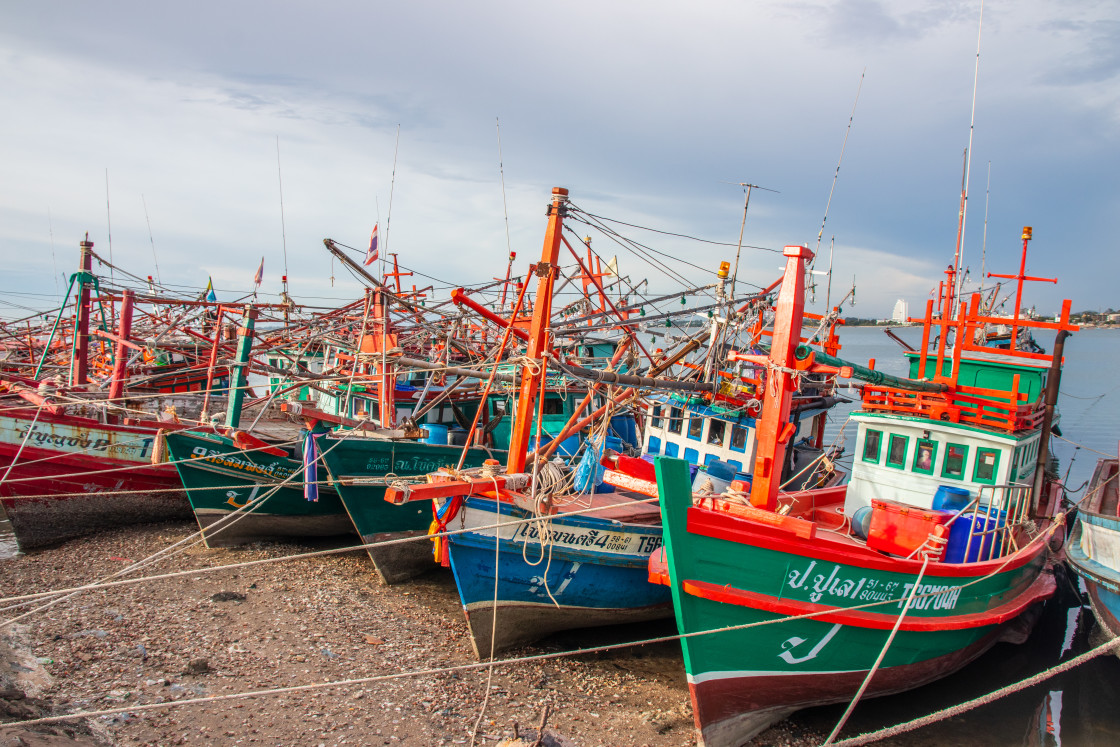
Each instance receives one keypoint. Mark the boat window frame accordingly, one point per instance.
(901, 464)
(980, 452)
(932, 456)
(949, 446)
(655, 417)
(692, 418)
(712, 422)
(676, 420)
(878, 445)
(735, 428)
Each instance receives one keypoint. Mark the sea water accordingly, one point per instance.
(1074, 708)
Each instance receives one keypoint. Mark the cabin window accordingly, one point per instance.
(924, 455)
(987, 464)
(872, 442)
(955, 457)
(738, 467)
(655, 417)
(654, 446)
(674, 420)
(715, 432)
(553, 406)
(671, 449)
(896, 452)
(695, 426)
(692, 456)
(738, 438)
(499, 406)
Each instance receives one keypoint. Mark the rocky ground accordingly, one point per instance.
(303, 622)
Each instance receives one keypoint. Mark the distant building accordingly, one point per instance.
(901, 312)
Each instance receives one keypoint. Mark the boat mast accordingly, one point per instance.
(79, 366)
(533, 368)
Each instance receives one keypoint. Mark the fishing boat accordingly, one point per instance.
(76, 460)
(541, 546)
(937, 548)
(67, 475)
(530, 558)
(1093, 551)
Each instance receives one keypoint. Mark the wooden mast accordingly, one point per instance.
(773, 429)
(79, 371)
(538, 343)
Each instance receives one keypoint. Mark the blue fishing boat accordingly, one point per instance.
(1093, 550)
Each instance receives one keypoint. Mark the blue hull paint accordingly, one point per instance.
(1101, 581)
(595, 570)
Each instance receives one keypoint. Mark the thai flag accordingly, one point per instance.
(260, 273)
(371, 253)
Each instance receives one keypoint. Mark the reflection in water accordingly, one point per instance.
(1075, 708)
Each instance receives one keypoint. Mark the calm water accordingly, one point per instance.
(1076, 708)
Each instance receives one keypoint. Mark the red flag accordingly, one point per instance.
(371, 253)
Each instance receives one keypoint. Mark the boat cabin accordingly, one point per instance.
(701, 433)
(907, 460)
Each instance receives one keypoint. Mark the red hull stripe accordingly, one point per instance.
(1042, 588)
(823, 547)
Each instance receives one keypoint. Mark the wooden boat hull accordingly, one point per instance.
(592, 572)
(75, 476)
(359, 467)
(766, 659)
(220, 478)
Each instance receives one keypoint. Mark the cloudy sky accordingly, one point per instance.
(649, 112)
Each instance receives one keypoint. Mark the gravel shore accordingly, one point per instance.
(304, 622)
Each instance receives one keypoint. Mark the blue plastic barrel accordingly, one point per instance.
(981, 547)
(861, 522)
(951, 498)
(437, 434)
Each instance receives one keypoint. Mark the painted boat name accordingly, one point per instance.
(864, 589)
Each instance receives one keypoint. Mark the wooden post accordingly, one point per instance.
(79, 366)
(120, 362)
(237, 375)
(218, 324)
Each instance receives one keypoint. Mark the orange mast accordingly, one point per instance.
(533, 369)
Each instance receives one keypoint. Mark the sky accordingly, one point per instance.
(192, 139)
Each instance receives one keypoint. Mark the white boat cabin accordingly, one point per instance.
(701, 434)
(908, 459)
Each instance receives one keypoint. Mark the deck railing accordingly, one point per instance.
(1004, 411)
(997, 514)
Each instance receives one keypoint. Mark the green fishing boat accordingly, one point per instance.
(360, 470)
(244, 490)
(938, 547)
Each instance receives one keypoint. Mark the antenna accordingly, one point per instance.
(151, 238)
(502, 173)
(283, 230)
(108, 222)
(836, 175)
(968, 162)
(54, 266)
(392, 184)
(742, 227)
(984, 243)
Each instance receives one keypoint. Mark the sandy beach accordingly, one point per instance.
(304, 622)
